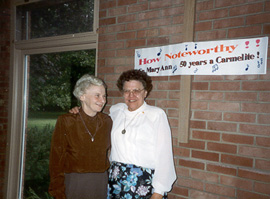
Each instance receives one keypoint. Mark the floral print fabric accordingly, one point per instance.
(128, 181)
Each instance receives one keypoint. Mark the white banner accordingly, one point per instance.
(227, 57)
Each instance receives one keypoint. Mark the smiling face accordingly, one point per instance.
(134, 94)
(93, 100)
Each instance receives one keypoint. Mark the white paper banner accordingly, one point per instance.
(227, 57)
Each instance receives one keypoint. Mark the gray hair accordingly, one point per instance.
(84, 83)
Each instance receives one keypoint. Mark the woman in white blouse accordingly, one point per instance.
(141, 155)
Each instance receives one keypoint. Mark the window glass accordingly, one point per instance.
(52, 78)
(53, 18)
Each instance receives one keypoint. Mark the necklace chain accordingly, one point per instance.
(92, 136)
(124, 130)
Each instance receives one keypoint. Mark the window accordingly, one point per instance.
(43, 30)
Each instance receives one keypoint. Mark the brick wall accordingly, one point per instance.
(228, 155)
(4, 85)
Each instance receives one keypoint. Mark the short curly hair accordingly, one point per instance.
(85, 82)
(138, 75)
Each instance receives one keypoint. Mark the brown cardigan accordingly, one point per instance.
(72, 150)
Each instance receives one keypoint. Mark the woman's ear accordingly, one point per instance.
(82, 97)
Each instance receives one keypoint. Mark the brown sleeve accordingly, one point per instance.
(57, 160)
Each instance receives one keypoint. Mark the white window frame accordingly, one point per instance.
(18, 85)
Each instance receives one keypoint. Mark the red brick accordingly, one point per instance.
(138, 7)
(117, 11)
(222, 3)
(203, 26)
(178, 20)
(222, 126)
(202, 195)
(199, 105)
(149, 15)
(167, 104)
(200, 86)
(254, 152)
(102, 14)
(193, 144)
(127, 18)
(158, 41)
(236, 182)
(211, 35)
(262, 188)
(171, 30)
(168, 86)
(107, 4)
(125, 53)
(208, 95)
(207, 115)
(159, 22)
(241, 194)
(197, 124)
(126, 2)
(106, 54)
(191, 164)
(191, 183)
(106, 38)
(258, 19)
(219, 147)
(172, 11)
(126, 35)
(236, 160)
(159, 4)
(205, 135)
(112, 45)
(183, 172)
(136, 43)
(262, 164)
(246, 9)
(205, 155)
(225, 86)
(224, 106)
(240, 96)
(254, 129)
(256, 86)
(263, 141)
(104, 70)
(205, 176)
(266, 29)
(256, 108)
(179, 191)
(240, 139)
(228, 23)
(254, 175)
(221, 169)
(221, 190)
(264, 97)
(181, 152)
(205, 5)
(213, 14)
(137, 25)
(148, 33)
(239, 117)
(244, 31)
(107, 21)
(115, 28)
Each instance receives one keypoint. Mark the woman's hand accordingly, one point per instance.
(156, 196)
(75, 110)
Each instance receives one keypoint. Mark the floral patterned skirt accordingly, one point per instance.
(128, 181)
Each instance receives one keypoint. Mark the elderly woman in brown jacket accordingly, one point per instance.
(79, 146)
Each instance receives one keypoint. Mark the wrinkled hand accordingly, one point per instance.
(75, 110)
(156, 196)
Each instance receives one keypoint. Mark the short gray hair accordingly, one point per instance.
(84, 83)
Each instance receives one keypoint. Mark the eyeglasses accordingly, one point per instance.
(135, 91)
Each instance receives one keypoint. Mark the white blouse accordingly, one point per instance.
(146, 143)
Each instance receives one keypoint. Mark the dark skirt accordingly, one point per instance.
(86, 185)
(128, 181)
